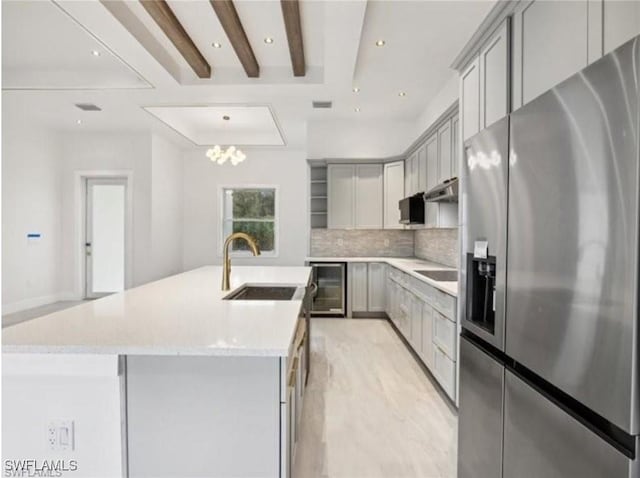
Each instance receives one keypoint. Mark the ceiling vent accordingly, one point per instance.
(322, 104)
(88, 107)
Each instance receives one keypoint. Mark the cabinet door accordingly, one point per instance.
(470, 99)
(416, 324)
(393, 193)
(358, 286)
(427, 335)
(455, 149)
(621, 22)
(431, 209)
(422, 168)
(341, 196)
(550, 44)
(444, 152)
(375, 288)
(494, 77)
(368, 196)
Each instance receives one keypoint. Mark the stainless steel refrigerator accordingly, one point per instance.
(550, 367)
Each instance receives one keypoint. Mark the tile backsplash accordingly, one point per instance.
(438, 245)
(361, 243)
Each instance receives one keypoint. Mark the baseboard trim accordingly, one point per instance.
(34, 302)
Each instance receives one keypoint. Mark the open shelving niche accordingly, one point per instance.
(318, 195)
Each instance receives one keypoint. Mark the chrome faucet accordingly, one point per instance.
(226, 266)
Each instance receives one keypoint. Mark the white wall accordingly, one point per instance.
(448, 94)
(93, 152)
(166, 207)
(287, 170)
(358, 139)
(31, 202)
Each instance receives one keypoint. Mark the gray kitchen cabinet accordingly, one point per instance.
(445, 145)
(550, 44)
(358, 285)
(456, 146)
(393, 193)
(470, 99)
(376, 280)
(431, 209)
(494, 76)
(340, 196)
(422, 169)
(411, 174)
(427, 335)
(416, 323)
(368, 196)
(620, 22)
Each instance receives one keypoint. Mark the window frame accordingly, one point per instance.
(223, 219)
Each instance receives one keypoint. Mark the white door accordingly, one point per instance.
(105, 237)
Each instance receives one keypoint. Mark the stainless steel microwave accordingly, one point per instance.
(412, 209)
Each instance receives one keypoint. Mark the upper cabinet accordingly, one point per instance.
(484, 84)
(620, 22)
(340, 196)
(368, 196)
(354, 196)
(531, 46)
(393, 193)
(550, 44)
(456, 146)
(445, 154)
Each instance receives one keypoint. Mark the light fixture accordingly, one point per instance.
(402, 93)
(221, 156)
(380, 43)
(79, 121)
(95, 53)
(356, 109)
(268, 40)
(226, 117)
(356, 89)
(215, 44)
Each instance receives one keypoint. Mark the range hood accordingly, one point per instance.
(443, 192)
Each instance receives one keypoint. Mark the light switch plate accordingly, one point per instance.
(61, 435)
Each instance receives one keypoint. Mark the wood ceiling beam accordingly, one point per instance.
(228, 16)
(293, 26)
(171, 26)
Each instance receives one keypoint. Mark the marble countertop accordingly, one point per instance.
(180, 315)
(410, 265)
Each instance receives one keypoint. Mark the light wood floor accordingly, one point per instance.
(370, 411)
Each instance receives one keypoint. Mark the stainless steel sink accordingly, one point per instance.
(440, 276)
(266, 292)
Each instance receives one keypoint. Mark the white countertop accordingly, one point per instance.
(406, 264)
(180, 315)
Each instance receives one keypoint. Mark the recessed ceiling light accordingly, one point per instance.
(78, 121)
(268, 40)
(357, 110)
(226, 118)
(356, 89)
(215, 44)
(380, 43)
(402, 93)
(95, 53)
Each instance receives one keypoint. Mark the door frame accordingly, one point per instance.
(80, 193)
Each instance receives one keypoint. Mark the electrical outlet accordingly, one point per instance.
(340, 243)
(60, 435)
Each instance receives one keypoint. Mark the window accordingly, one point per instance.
(251, 210)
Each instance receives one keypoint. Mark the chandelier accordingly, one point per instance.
(220, 156)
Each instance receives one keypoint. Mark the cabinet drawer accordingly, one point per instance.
(423, 290)
(444, 334)
(445, 371)
(445, 303)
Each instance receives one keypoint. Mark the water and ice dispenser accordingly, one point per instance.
(481, 290)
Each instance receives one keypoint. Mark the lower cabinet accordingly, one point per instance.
(426, 317)
(367, 284)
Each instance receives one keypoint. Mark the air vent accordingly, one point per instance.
(322, 104)
(88, 107)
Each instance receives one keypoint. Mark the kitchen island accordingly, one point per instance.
(166, 379)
